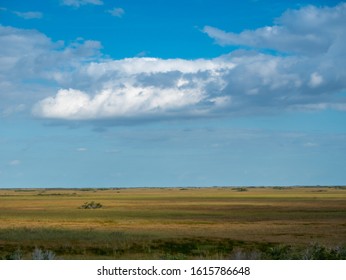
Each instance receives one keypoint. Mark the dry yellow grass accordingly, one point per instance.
(295, 216)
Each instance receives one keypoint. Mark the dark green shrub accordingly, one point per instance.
(241, 189)
(91, 205)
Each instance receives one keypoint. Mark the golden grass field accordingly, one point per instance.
(154, 223)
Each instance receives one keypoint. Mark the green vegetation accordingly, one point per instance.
(241, 189)
(174, 223)
(91, 205)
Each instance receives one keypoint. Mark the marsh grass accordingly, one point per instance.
(121, 245)
(185, 223)
(67, 243)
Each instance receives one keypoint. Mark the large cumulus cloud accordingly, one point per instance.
(140, 87)
(305, 72)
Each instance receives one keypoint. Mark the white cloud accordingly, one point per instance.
(116, 12)
(150, 65)
(141, 87)
(28, 55)
(10, 110)
(128, 101)
(14, 162)
(29, 52)
(142, 54)
(78, 3)
(29, 15)
(150, 86)
(238, 83)
(308, 76)
(310, 144)
(315, 80)
(309, 30)
(80, 84)
(339, 106)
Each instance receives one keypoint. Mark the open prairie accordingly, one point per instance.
(168, 223)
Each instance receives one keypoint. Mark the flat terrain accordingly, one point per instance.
(166, 223)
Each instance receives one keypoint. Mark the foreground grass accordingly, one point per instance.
(192, 223)
(76, 244)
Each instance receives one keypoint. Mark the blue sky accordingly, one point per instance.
(98, 93)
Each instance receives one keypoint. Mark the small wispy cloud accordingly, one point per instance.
(310, 144)
(29, 15)
(11, 110)
(315, 80)
(142, 54)
(116, 12)
(14, 162)
(78, 3)
(82, 149)
(25, 15)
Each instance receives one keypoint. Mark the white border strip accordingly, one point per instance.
(162, 269)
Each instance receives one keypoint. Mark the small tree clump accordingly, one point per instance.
(91, 205)
(241, 189)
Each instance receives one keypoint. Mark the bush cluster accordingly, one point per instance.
(91, 205)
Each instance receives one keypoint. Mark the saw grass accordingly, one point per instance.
(159, 223)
